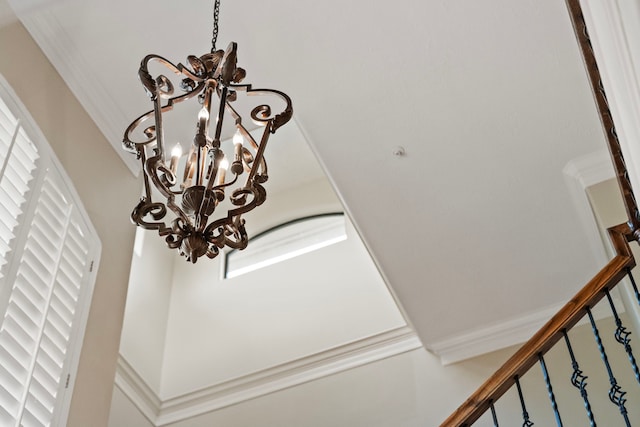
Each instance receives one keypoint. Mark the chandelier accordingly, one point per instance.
(200, 210)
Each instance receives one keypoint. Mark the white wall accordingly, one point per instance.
(223, 329)
(219, 330)
(414, 389)
(408, 390)
(145, 318)
(411, 389)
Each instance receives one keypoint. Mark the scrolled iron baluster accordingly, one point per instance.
(579, 381)
(633, 283)
(493, 415)
(622, 336)
(616, 394)
(525, 415)
(552, 397)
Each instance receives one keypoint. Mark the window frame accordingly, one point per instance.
(270, 232)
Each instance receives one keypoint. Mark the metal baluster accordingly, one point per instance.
(623, 337)
(525, 414)
(616, 394)
(633, 283)
(579, 381)
(552, 397)
(494, 416)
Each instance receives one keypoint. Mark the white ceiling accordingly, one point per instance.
(474, 226)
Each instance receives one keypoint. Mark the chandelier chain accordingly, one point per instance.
(216, 14)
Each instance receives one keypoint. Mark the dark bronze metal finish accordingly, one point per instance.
(205, 181)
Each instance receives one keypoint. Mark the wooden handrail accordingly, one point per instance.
(550, 333)
(606, 118)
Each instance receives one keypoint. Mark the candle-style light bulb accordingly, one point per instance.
(203, 114)
(238, 139)
(222, 170)
(176, 153)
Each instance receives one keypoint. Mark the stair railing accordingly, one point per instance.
(579, 307)
(553, 331)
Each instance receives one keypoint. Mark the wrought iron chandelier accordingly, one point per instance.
(216, 188)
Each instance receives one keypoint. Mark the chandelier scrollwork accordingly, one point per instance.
(188, 215)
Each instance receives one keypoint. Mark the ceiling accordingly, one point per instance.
(474, 226)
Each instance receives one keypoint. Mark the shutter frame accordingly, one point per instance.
(69, 287)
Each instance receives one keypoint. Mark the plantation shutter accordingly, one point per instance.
(47, 249)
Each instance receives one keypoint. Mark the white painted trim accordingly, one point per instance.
(137, 390)
(481, 341)
(591, 168)
(58, 46)
(614, 28)
(613, 35)
(581, 173)
(162, 412)
(507, 333)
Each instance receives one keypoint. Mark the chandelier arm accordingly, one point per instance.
(225, 226)
(279, 119)
(156, 210)
(159, 129)
(216, 138)
(152, 165)
(250, 160)
(147, 187)
(198, 74)
(227, 184)
(259, 157)
(238, 121)
(243, 131)
(220, 117)
(129, 144)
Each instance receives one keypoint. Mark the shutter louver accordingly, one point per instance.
(46, 244)
(19, 158)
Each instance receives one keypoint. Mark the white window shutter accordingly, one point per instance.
(47, 247)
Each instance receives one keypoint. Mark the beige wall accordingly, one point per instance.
(108, 191)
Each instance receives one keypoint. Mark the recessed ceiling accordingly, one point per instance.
(474, 227)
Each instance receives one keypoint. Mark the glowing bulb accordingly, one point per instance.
(222, 170)
(176, 153)
(203, 114)
(177, 150)
(237, 138)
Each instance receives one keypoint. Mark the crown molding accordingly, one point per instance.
(58, 47)
(581, 173)
(164, 411)
(509, 333)
(481, 341)
(590, 169)
(614, 28)
(137, 390)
